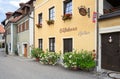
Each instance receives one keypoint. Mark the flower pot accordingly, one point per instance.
(66, 16)
(39, 25)
(74, 68)
(37, 59)
(49, 22)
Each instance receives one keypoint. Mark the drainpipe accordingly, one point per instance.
(34, 27)
(97, 36)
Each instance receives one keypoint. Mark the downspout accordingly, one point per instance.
(34, 24)
(6, 46)
(97, 36)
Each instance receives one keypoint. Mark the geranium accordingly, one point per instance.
(66, 16)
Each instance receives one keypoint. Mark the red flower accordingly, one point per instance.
(67, 16)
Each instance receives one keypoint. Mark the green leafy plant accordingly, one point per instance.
(36, 52)
(49, 58)
(79, 60)
(70, 60)
(86, 61)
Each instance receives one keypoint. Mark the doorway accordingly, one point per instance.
(110, 52)
(25, 50)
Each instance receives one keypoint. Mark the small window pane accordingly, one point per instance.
(40, 41)
(52, 44)
(40, 18)
(68, 7)
(51, 13)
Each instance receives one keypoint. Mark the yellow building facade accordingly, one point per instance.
(72, 26)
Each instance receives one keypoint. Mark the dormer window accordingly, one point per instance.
(25, 9)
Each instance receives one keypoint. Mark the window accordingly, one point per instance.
(52, 44)
(18, 28)
(40, 18)
(40, 41)
(52, 13)
(68, 7)
(27, 25)
(67, 45)
(23, 27)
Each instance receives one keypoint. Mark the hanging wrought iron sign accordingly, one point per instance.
(82, 10)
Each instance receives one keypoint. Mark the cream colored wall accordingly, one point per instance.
(111, 22)
(23, 38)
(82, 23)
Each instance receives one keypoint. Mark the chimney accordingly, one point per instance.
(21, 4)
(8, 14)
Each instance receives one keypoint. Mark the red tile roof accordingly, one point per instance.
(15, 19)
(2, 30)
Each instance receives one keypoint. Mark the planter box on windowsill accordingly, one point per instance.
(39, 25)
(49, 22)
(66, 17)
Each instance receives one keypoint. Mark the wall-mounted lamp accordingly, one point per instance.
(110, 39)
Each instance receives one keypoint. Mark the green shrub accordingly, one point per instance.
(36, 52)
(80, 60)
(86, 60)
(49, 58)
(70, 60)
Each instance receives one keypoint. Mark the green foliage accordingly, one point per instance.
(36, 52)
(49, 58)
(81, 59)
(70, 60)
(86, 60)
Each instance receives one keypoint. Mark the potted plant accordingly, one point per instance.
(39, 25)
(36, 52)
(79, 60)
(66, 16)
(86, 61)
(50, 58)
(70, 61)
(49, 22)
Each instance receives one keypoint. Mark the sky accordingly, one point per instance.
(8, 6)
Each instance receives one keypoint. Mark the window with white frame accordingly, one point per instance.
(52, 13)
(52, 44)
(40, 18)
(40, 43)
(68, 7)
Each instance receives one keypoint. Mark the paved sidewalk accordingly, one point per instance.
(15, 67)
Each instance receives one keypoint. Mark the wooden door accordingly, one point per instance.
(25, 50)
(111, 51)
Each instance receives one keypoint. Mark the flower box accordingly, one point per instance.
(39, 25)
(49, 22)
(66, 16)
